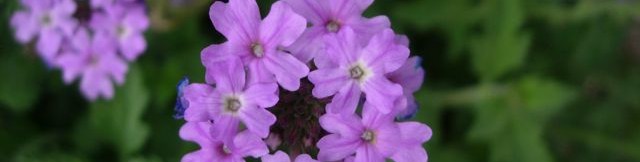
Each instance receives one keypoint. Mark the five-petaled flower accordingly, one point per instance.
(48, 20)
(355, 69)
(94, 60)
(232, 101)
(259, 42)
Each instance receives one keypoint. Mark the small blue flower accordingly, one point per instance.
(181, 103)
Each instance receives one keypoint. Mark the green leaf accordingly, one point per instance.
(44, 148)
(454, 17)
(513, 124)
(503, 47)
(118, 121)
(21, 78)
(21, 70)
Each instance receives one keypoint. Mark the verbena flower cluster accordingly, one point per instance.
(314, 79)
(90, 41)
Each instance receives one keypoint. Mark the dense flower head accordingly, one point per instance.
(90, 45)
(340, 89)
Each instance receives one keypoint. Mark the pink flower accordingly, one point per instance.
(258, 42)
(413, 135)
(93, 59)
(410, 76)
(355, 69)
(372, 138)
(283, 157)
(125, 23)
(328, 17)
(244, 144)
(232, 102)
(48, 20)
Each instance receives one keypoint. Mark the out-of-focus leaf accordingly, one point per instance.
(145, 159)
(118, 121)
(44, 149)
(513, 124)
(21, 81)
(21, 71)
(503, 47)
(455, 17)
(597, 51)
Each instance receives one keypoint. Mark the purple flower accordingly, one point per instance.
(258, 42)
(49, 20)
(94, 60)
(356, 69)
(372, 138)
(413, 135)
(330, 16)
(283, 157)
(125, 23)
(232, 101)
(410, 77)
(242, 145)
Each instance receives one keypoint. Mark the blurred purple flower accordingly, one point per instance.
(258, 42)
(372, 138)
(49, 20)
(242, 145)
(125, 23)
(106, 3)
(410, 76)
(232, 101)
(355, 69)
(95, 62)
(328, 17)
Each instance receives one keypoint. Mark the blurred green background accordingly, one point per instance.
(507, 81)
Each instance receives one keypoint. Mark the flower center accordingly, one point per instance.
(93, 60)
(368, 136)
(356, 72)
(121, 31)
(46, 19)
(232, 104)
(333, 26)
(226, 149)
(257, 49)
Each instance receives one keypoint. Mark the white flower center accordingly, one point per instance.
(359, 72)
(356, 72)
(232, 104)
(226, 149)
(257, 50)
(333, 26)
(368, 136)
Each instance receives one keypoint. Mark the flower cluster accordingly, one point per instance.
(88, 41)
(339, 89)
